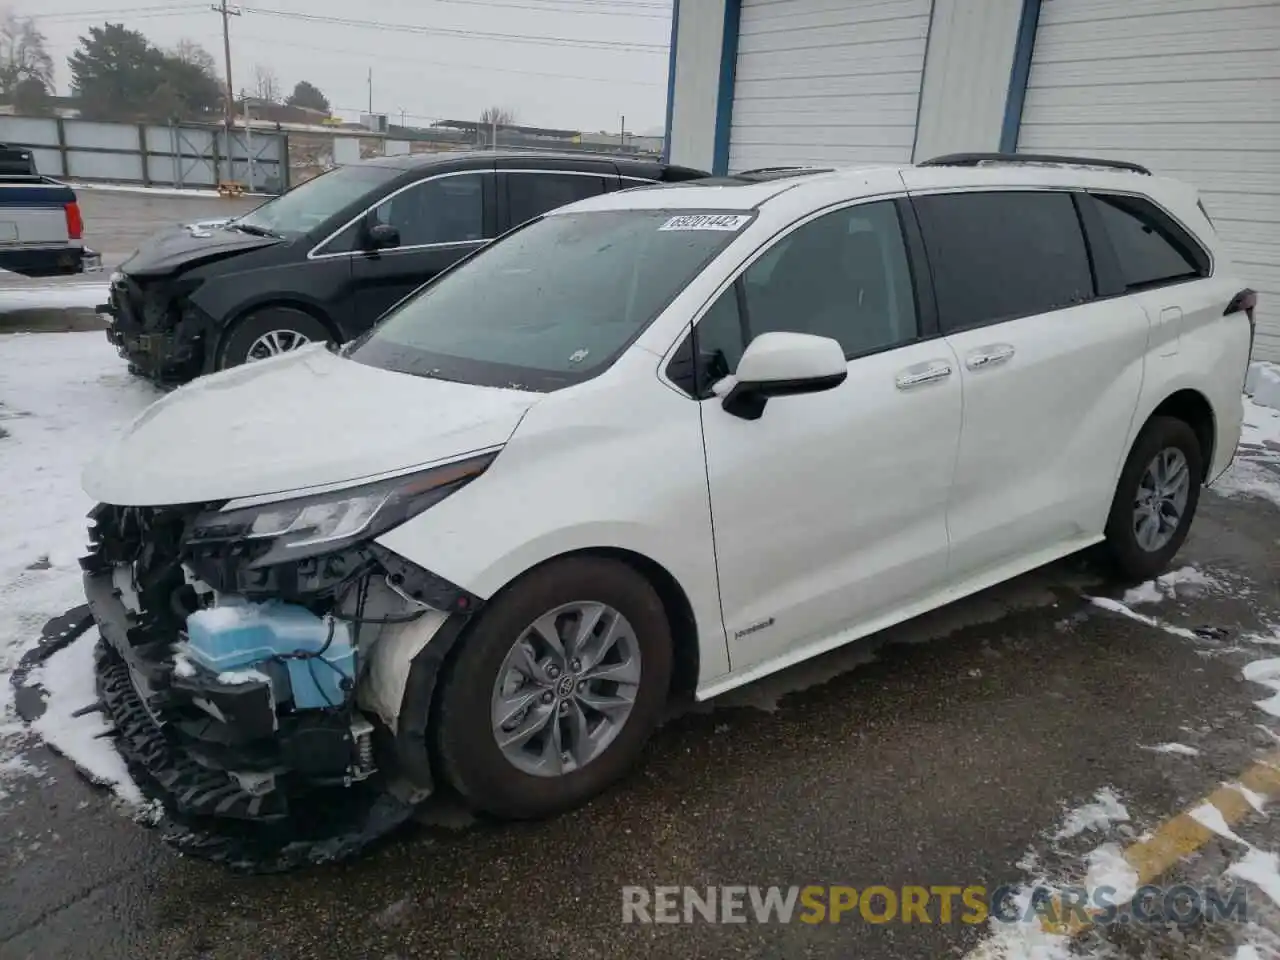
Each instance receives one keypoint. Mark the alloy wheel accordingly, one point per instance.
(565, 689)
(275, 343)
(1161, 499)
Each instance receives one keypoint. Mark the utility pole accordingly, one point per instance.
(227, 12)
(371, 92)
(622, 135)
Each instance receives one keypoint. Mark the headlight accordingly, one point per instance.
(325, 522)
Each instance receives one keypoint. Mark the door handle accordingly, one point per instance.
(923, 373)
(988, 356)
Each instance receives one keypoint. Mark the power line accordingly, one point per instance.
(590, 7)
(133, 12)
(618, 45)
(483, 67)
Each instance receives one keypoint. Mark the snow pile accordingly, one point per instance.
(1166, 586)
(67, 676)
(1263, 384)
(61, 396)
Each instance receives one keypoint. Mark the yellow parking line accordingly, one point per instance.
(1182, 835)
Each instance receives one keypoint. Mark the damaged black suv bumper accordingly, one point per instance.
(163, 338)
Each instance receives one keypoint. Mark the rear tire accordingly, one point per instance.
(503, 661)
(1155, 499)
(268, 332)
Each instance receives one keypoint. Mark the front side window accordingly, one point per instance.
(1001, 255)
(1151, 249)
(552, 304)
(530, 195)
(844, 275)
(447, 209)
(316, 201)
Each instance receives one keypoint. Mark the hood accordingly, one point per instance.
(176, 248)
(302, 419)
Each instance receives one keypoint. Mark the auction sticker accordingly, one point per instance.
(707, 221)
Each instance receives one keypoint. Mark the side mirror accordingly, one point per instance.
(382, 235)
(782, 365)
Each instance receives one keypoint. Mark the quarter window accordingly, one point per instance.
(843, 276)
(1000, 255)
(532, 194)
(1151, 248)
(443, 210)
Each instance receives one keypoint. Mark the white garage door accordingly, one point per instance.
(1189, 88)
(827, 81)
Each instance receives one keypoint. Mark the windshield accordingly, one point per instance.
(310, 204)
(554, 303)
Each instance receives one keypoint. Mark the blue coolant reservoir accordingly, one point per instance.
(237, 635)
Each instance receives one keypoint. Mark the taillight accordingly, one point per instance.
(75, 223)
(1246, 300)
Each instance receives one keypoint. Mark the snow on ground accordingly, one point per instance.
(1179, 748)
(1104, 866)
(61, 396)
(1115, 606)
(1261, 869)
(1105, 810)
(1167, 585)
(1254, 473)
(19, 293)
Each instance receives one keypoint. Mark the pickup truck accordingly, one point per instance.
(41, 230)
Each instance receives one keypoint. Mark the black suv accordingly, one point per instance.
(324, 261)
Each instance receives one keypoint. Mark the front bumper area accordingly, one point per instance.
(207, 815)
(141, 326)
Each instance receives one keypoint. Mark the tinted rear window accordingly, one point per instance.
(1151, 248)
(997, 256)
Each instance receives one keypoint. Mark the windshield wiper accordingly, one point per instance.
(253, 228)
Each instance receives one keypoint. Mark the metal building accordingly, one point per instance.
(1189, 88)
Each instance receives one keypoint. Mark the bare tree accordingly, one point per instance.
(265, 84)
(22, 54)
(188, 51)
(497, 116)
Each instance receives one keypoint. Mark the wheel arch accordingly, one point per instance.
(429, 668)
(314, 311)
(675, 602)
(1194, 409)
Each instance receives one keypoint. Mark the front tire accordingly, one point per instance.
(268, 333)
(1155, 499)
(555, 690)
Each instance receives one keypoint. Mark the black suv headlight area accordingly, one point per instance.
(322, 523)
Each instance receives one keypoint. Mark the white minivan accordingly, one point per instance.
(666, 440)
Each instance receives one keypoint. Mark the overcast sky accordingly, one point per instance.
(553, 82)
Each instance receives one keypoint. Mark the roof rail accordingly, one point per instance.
(763, 171)
(974, 159)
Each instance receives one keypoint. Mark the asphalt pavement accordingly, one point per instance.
(936, 753)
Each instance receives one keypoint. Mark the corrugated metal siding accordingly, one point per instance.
(827, 81)
(1190, 88)
(966, 77)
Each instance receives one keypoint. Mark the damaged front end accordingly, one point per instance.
(157, 328)
(255, 661)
